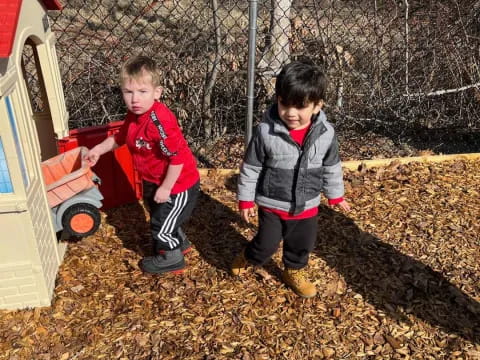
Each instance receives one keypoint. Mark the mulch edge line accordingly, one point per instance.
(356, 164)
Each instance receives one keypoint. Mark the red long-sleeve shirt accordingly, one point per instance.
(154, 149)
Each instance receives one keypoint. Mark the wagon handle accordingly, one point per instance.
(96, 180)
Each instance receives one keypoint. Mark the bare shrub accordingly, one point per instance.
(394, 65)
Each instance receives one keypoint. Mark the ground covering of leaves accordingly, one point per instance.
(398, 278)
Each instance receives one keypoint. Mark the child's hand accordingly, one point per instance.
(92, 156)
(343, 205)
(161, 195)
(246, 214)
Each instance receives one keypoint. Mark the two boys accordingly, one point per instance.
(292, 158)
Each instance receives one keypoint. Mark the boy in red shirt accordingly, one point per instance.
(163, 160)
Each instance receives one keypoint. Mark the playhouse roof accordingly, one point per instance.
(10, 11)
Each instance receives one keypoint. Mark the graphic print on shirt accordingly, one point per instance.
(140, 143)
(163, 135)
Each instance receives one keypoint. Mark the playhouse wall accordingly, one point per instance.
(25, 280)
(30, 254)
(53, 85)
(33, 23)
(37, 28)
(46, 136)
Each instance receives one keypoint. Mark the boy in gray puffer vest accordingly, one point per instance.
(291, 159)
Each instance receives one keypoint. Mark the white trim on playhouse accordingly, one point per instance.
(30, 254)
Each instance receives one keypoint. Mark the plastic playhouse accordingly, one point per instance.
(30, 253)
(42, 192)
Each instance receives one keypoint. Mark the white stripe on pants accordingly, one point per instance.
(168, 226)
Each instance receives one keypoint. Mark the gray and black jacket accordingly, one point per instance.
(277, 173)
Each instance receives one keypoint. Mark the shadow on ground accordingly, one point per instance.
(445, 141)
(394, 282)
(439, 141)
(213, 231)
(132, 227)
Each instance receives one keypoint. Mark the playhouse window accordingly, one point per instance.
(18, 145)
(5, 181)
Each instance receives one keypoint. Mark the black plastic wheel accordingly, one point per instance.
(81, 219)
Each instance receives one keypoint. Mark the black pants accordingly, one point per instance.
(299, 238)
(167, 218)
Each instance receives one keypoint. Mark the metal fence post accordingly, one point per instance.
(252, 35)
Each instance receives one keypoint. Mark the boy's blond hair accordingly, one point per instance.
(139, 66)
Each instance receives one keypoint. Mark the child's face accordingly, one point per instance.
(140, 94)
(297, 118)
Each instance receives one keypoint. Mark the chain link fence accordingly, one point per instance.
(397, 66)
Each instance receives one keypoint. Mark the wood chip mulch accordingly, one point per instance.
(398, 278)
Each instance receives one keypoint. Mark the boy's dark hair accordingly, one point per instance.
(301, 83)
(136, 67)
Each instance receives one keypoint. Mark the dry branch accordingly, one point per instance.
(443, 92)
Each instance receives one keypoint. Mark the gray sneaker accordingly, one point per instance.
(185, 245)
(170, 261)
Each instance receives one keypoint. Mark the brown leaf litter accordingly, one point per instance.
(398, 278)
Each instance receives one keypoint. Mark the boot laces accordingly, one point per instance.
(299, 275)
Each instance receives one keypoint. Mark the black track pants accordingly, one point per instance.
(166, 218)
(298, 236)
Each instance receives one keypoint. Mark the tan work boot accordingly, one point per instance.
(297, 280)
(239, 264)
